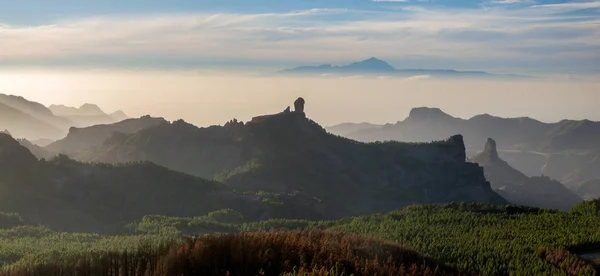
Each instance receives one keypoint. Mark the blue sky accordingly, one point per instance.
(513, 35)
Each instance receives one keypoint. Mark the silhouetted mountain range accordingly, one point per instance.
(288, 153)
(87, 115)
(80, 139)
(516, 187)
(35, 122)
(568, 151)
(21, 124)
(426, 124)
(379, 67)
(68, 195)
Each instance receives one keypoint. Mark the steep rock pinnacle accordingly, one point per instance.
(491, 150)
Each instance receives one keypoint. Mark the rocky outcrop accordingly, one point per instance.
(299, 105)
(517, 188)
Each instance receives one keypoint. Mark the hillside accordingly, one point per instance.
(349, 128)
(273, 253)
(482, 238)
(476, 239)
(81, 139)
(520, 189)
(288, 153)
(21, 124)
(68, 195)
(567, 150)
(36, 110)
(36, 122)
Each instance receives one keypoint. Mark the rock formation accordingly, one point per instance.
(299, 105)
(518, 188)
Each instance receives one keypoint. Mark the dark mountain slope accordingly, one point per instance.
(80, 139)
(68, 195)
(288, 153)
(520, 189)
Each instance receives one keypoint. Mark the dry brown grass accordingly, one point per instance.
(567, 262)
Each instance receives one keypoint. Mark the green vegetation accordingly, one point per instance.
(475, 238)
(218, 221)
(28, 245)
(263, 253)
(484, 238)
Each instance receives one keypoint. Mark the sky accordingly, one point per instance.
(540, 36)
(204, 60)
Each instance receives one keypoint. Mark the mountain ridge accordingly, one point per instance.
(68, 195)
(288, 153)
(568, 150)
(375, 65)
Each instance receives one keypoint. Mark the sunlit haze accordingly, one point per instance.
(206, 99)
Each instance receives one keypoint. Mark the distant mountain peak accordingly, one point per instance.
(372, 64)
(119, 115)
(377, 67)
(428, 113)
(91, 109)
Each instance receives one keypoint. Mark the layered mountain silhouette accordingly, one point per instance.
(289, 153)
(22, 124)
(520, 189)
(68, 195)
(35, 122)
(81, 139)
(378, 67)
(568, 151)
(87, 115)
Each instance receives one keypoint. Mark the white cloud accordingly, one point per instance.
(415, 78)
(313, 35)
(510, 2)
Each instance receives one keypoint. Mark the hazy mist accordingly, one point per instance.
(206, 99)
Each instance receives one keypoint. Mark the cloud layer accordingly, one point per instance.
(494, 35)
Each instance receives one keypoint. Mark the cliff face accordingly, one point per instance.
(287, 153)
